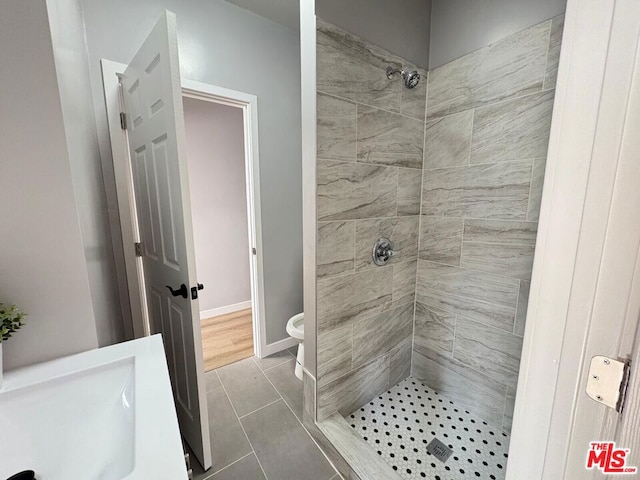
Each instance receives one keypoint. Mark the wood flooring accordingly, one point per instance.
(227, 339)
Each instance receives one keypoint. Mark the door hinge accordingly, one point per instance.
(254, 251)
(608, 381)
(138, 247)
(123, 120)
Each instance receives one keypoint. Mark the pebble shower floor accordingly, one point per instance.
(400, 423)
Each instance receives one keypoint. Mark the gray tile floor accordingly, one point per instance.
(255, 419)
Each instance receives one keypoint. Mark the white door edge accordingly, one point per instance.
(125, 216)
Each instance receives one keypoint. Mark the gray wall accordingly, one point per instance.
(399, 26)
(462, 26)
(226, 46)
(487, 130)
(215, 152)
(369, 170)
(42, 266)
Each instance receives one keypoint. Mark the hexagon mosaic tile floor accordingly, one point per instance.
(400, 423)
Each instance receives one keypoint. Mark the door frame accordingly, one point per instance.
(125, 217)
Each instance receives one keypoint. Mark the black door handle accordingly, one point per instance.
(183, 291)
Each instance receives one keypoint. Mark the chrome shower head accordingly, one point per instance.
(411, 78)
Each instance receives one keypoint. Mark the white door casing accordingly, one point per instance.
(155, 123)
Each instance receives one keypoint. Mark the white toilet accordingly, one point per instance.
(295, 328)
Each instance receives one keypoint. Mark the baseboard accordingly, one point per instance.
(214, 312)
(278, 346)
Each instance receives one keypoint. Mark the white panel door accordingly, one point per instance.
(155, 123)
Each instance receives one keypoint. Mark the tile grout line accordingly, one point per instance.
(546, 58)
(227, 466)
(358, 102)
(264, 406)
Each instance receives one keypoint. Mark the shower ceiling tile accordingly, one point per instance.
(402, 231)
(480, 191)
(434, 329)
(553, 57)
(389, 139)
(377, 335)
(347, 191)
(511, 67)
(404, 282)
(512, 130)
(409, 191)
(440, 239)
(336, 248)
(352, 297)
(336, 130)
(447, 141)
(487, 349)
(487, 298)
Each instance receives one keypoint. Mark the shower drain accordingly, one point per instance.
(439, 450)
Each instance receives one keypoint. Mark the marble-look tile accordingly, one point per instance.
(335, 248)
(466, 387)
(512, 130)
(499, 231)
(434, 329)
(378, 335)
(334, 353)
(243, 469)
(353, 390)
(553, 56)
(386, 138)
(350, 67)
(273, 360)
(400, 362)
(336, 130)
(510, 67)
(351, 297)
(440, 239)
(413, 101)
(510, 260)
(521, 310)
(537, 182)
(283, 377)
(347, 191)
(489, 350)
(283, 447)
(487, 298)
(447, 141)
(409, 190)
(404, 282)
(401, 231)
(480, 191)
(510, 405)
(247, 387)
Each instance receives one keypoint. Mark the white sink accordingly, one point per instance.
(106, 414)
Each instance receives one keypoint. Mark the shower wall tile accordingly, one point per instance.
(502, 259)
(508, 68)
(352, 297)
(487, 349)
(334, 353)
(461, 384)
(448, 140)
(509, 407)
(347, 191)
(480, 191)
(413, 101)
(484, 297)
(512, 130)
(434, 329)
(537, 182)
(402, 231)
(500, 232)
(404, 282)
(336, 248)
(336, 130)
(353, 390)
(409, 191)
(553, 56)
(521, 310)
(389, 139)
(440, 239)
(400, 362)
(378, 335)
